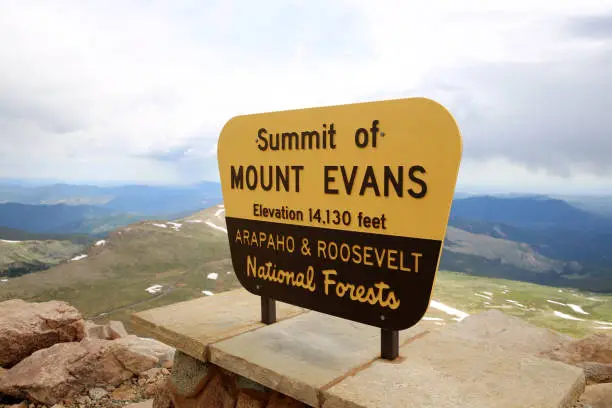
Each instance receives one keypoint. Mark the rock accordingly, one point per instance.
(140, 355)
(96, 331)
(596, 373)
(216, 395)
(124, 393)
(596, 348)
(143, 404)
(111, 331)
(27, 327)
(65, 370)
(151, 373)
(151, 390)
(97, 393)
(116, 330)
(58, 406)
(597, 396)
(592, 353)
(246, 401)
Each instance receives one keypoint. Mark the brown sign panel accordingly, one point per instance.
(342, 209)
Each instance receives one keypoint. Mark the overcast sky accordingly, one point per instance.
(105, 90)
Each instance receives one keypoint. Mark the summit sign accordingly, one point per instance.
(342, 209)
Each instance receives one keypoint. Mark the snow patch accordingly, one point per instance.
(594, 299)
(154, 289)
(488, 293)
(161, 225)
(4, 280)
(100, 242)
(566, 316)
(207, 292)
(219, 211)
(433, 318)
(514, 302)
(195, 221)
(213, 276)
(577, 309)
(211, 225)
(484, 296)
(8, 241)
(604, 323)
(175, 225)
(604, 327)
(556, 303)
(560, 291)
(449, 310)
(79, 257)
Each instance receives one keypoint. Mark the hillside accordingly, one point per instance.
(138, 266)
(22, 257)
(154, 263)
(581, 241)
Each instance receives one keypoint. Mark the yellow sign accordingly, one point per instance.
(342, 209)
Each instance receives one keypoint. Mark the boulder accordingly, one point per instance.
(596, 348)
(111, 331)
(27, 327)
(67, 369)
(592, 353)
(95, 331)
(116, 330)
(596, 373)
(64, 371)
(597, 396)
(141, 354)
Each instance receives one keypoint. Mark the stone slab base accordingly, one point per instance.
(227, 358)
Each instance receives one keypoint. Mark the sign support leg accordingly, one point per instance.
(268, 310)
(389, 344)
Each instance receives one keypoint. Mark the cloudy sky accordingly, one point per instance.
(111, 91)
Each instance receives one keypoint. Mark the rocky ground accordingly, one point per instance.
(51, 357)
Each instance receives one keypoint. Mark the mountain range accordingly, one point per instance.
(83, 209)
(532, 238)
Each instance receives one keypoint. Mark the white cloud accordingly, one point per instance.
(109, 90)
